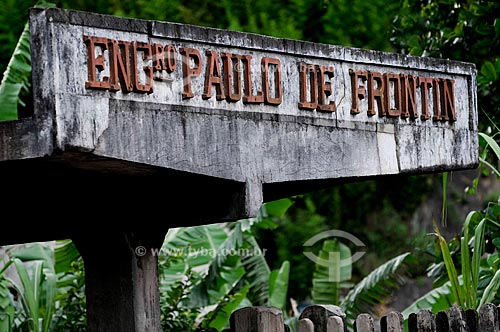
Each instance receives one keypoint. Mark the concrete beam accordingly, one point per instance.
(292, 112)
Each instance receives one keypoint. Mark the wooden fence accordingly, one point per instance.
(327, 318)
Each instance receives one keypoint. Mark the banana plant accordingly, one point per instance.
(37, 294)
(479, 280)
(16, 78)
(466, 288)
(7, 306)
(16, 82)
(41, 270)
(333, 273)
(376, 287)
(330, 275)
(37, 290)
(475, 277)
(438, 299)
(214, 269)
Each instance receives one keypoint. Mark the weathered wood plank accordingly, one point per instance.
(320, 316)
(257, 319)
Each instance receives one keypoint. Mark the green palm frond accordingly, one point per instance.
(333, 269)
(15, 85)
(226, 265)
(376, 286)
(34, 264)
(211, 252)
(16, 78)
(258, 273)
(189, 248)
(37, 293)
(7, 307)
(219, 317)
(278, 286)
(65, 253)
(436, 300)
(230, 246)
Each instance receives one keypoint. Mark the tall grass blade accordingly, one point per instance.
(476, 257)
(450, 268)
(466, 262)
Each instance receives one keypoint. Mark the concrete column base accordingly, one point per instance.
(121, 280)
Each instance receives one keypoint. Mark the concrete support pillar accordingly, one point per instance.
(121, 280)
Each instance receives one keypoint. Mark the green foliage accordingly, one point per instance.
(210, 271)
(38, 287)
(470, 280)
(65, 257)
(377, 286)
(487, 144)
(174, 317)
(295, 228)
(465, 30)
(333, 269)
(16, 82)
(16, 79)
(278, 286)
(438, 299)
(373, 211)
(37, 294)
(457, 290)
(45, 289)
(493, 145)
(479, 281)
(351, 23)
(345, 22)
(7, 306)
(71, 311)
(13, 18)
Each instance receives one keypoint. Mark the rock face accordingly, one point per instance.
(264, 116)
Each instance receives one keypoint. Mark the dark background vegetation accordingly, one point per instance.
(384, 213)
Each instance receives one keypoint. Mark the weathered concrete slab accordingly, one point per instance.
(254, 110)
(141, 118)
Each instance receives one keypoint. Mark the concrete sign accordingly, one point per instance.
(200, 125)
(252, 109)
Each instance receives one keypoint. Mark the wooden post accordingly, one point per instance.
(456, 319)
(305, 325)
(413, 323)
(121, 280)
(393, 322)
(364, 323)
(471, 318)
(320, 315)
(488, 318)
(442, 323)
(333, 324)
(425, 322)
(257, 319)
